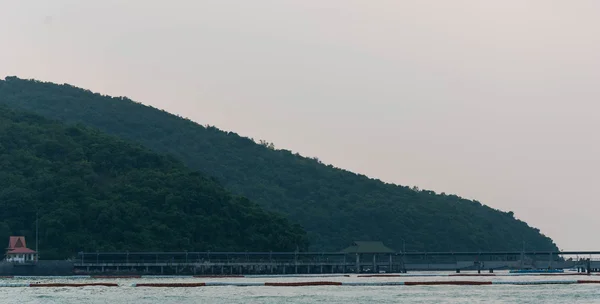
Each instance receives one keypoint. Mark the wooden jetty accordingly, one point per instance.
(352, 260)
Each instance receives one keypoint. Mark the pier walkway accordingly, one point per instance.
(238, 263)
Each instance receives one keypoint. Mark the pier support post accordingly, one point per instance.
(403, 262)
(296, 262)
(374, 263)
(357, 263)
(588, 266)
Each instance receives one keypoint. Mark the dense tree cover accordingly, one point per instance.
(96, 192)
(335, 206)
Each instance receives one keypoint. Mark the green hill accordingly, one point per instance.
(96, 192)
(335, 206)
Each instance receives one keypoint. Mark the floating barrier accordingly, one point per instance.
(449, 283)
(372, 283)
(260, 276)
(167, 276)
(416, 275)
(379, 275)
(218, 276)
(235, 284)
(309, 283)
(426, 275)
(72, 284)
(168, 285)
(473, 275)
(14, 284)
(555, 282)
(116, 277)
(406, 283)
(57, 284)
(588, 282)
(363, 283)
(303, 284)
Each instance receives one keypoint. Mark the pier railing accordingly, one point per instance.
(195, 257)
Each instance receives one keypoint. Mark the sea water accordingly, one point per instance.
(125, 293)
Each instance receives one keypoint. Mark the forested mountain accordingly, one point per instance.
(97, 192)
(335, 206)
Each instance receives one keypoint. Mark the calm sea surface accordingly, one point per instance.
(577, 293)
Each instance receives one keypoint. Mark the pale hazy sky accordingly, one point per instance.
(492, 100)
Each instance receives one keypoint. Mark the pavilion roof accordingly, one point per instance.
(368, 247)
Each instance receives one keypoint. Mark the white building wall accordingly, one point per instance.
(20, 258)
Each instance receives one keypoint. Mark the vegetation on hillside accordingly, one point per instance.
(335, 206)
(97, 192)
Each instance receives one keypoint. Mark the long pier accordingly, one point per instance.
(242, 263)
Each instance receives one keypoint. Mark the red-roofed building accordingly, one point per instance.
(17, 251)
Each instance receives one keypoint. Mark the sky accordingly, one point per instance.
(496, 101)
